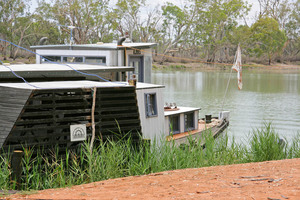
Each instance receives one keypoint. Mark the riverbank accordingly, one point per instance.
(262, 180)
(278, 67)
(120, 159)
(295, 67)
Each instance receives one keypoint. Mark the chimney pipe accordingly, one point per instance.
(43, 40)
(121, 40)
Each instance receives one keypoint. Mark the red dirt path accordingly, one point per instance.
(265, 180)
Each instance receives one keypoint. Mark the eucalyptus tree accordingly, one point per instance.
(15, 22)
(292, 30)
(86, 19)
(177, 24)
(267, 38)
(215, 20)
(277, 9)
(128, 16)
(132, 18)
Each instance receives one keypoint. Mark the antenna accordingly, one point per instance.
(71, 32)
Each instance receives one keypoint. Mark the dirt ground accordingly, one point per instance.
(266, 180)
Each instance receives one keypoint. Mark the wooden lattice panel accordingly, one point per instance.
(41, 118)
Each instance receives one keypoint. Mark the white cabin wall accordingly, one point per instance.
(113, 58)
(196, 116)
(148, 65)
(167, 125)
(120, 57)
(147, 62)
(37, 58)
(128, 54)
(152, 127)
(181, 128)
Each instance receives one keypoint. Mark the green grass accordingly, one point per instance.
(114, 159)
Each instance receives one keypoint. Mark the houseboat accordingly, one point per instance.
(57, 99)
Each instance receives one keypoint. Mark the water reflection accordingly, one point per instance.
(265, 97)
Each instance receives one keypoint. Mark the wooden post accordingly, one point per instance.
(93, 119)
(16, 165)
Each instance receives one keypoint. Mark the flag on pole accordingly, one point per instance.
(237, 66)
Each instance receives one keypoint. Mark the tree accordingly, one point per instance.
(276, 9)
(14, 24)
(176, 25)
(293, 31)
(267, 38)
(89, 17)
(128, 18)
(214, 22)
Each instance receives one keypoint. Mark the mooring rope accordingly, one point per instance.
(226, 90)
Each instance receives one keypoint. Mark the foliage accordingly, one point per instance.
(215, 21)
(15, 22)
(266, 144)
(293, 31)
(87, 16)
(209, 30)
(267, 38)
(113, 159)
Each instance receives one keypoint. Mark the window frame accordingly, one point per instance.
(148, 105)
(47, 57)
(171, 127)
(63, 59)
(103, 58)
(193, 121)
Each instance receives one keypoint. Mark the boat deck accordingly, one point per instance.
(215, 127)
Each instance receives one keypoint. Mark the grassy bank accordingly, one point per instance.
(121, 158)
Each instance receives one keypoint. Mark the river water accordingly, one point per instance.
(265, 97)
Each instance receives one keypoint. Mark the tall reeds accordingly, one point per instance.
(113, 159)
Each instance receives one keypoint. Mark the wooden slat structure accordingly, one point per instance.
(41, 118)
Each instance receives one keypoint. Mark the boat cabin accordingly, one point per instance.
(181, 119)
(151, 108)
(137, 55)
(60, 92)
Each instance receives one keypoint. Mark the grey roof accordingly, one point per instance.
(57, 70)
(140, 86)
(181, 110)
(104, 46)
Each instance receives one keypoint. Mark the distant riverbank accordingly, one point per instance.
(277, 67)
(202, 66)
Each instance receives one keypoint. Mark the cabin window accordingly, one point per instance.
(95, 60)
(51, 58)
(73, 59)
(189, 123)
(174, 124)
(151, 105)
